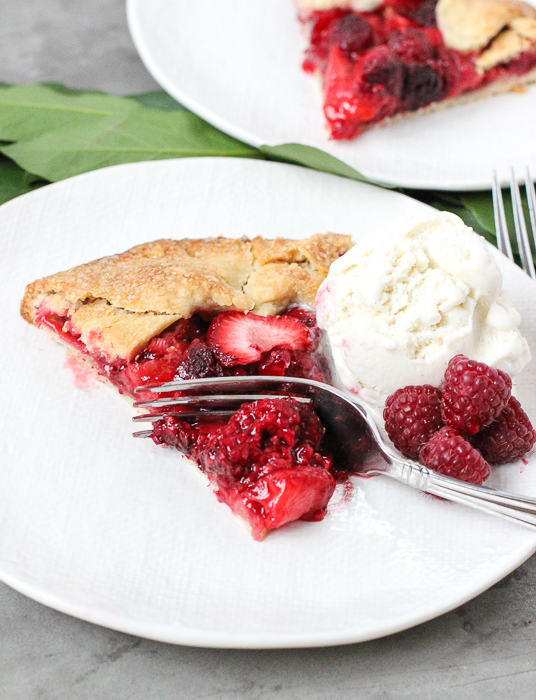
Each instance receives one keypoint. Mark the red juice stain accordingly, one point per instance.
(342, 496)
(82, 379)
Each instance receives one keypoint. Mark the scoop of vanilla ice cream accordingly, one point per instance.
(398, 306)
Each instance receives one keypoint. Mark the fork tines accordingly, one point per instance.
(227, 395)
(214, 400)
(501, 228)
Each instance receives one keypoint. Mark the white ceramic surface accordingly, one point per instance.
(119, 532)
(238, 65)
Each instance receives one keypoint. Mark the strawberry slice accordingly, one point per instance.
(279, 498)
(294, 494)
(238, 339)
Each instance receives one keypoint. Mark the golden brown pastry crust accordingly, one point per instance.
(469, 25)
(118, 303)
(506, 46)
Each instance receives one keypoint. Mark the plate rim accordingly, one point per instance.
(186, 635)
(222, 640)
(135, 26)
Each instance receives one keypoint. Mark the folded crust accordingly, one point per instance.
(469, 25)
(116, 304)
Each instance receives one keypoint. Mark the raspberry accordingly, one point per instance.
(509, 437)
(447, 452)
(474, 394)
(412, 415)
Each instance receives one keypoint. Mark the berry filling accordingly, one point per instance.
(377, 64)
(265, 462)
(233, 343)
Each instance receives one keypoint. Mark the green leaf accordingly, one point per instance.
(59, 135)
(158, 100)
(313, 158)
(15, 181)
(480, 204)
(27, 111)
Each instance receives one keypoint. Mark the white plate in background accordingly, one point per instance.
(122, 533)
(238, 65)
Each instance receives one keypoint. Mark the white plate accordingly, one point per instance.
(238, 65)
(119, 532)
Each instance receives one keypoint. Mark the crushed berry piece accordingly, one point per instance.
(410, 45)
(275, 363)
(381, 68)
(177, 336)
(198, 362)
(265, 461)
(306, 316)
(174, 432)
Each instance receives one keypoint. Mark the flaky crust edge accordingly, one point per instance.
(131, 297)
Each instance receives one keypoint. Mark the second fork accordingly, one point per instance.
(501, 227)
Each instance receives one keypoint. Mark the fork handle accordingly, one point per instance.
(516, 508)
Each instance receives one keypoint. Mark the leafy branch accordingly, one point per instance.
(49, 132)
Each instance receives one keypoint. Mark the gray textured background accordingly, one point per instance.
(484, 650)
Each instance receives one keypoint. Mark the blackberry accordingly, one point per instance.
(198, 362)
(422, 86)
(382, 68)
(425, 15)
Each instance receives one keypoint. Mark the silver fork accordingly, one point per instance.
(501, 229)
(344, 421)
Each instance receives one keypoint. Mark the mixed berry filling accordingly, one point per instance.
(376, 64)
(265, 462)
(231, 344)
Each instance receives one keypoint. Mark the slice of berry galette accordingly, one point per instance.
(171, 310)
(384, 60)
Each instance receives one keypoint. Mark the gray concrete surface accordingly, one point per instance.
(485, 650)
(80, 44)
